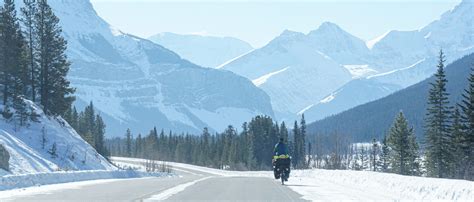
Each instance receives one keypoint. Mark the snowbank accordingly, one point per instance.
(28, 155)
(359, 185)
(28, 180)
(331, 185)
(213, 171)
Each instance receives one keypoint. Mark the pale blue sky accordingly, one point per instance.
(259, 21)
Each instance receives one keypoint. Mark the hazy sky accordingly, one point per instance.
(259, 21)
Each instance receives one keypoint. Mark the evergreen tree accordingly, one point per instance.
(12, 50)
(302, 142)
(139, 146)
(54, 88)
(438, 151)
(296, 147)
(403, 147)
(460, 159)
(250, 160)
(375, 148)
(28, 13)
(74, 118)
(89, 118)
(464, 140)
(53, 151)
(99, 136)
(284, 132)
(128, 144)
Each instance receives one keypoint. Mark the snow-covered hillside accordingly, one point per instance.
(206, 51)
(28, 155)
(375, 69)
(137, 84)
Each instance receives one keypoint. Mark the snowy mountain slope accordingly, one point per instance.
(388, 63)
(206, 51)
(374, 118)
(138, 84)
(290, 72)
(338, 44)
(354, 93)
(364, 90)
(27, 155)
(418, 50)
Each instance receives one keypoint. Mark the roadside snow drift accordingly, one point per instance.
(338, 185)
(29, 180)
(363, 185)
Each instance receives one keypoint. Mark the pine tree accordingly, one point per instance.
(89, 119)
(464, 140)
(205, 146)
(89, 138)
(138, 146)
(296, 147)
(438, 152)
(43, 137)
(302, 142)
(403, 147)
(52, 61)
(375, 149)
(53, 151)
(460, 160)
(385, 154)
(99, 135)
(128, 143)
(74, 118)
(284, 132)
(12, 49)
(28, 19)
(251, 161)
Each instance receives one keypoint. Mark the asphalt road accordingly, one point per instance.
(190, 186)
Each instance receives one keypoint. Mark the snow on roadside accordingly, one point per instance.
(362, 185)
(36, 179)
(213, 171)
(330, 185)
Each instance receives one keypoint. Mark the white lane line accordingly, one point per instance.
(174, 190)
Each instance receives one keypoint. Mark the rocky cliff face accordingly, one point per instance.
(137, 84)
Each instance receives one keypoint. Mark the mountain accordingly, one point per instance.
(376, 68)
(28, 155)
(291, 72)
(373, 119)
(206, 51)
(296, 69)
(137, 84)
(338, 44)
(404, 58)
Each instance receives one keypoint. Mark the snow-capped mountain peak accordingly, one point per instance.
(328, 27)
(338, 43)
(138, 84)
(332, 47)
(206, 51)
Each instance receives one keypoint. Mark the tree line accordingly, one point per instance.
(449, 129)
(447, 150)
(250, 149)
(90, 126)
(33, 63)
